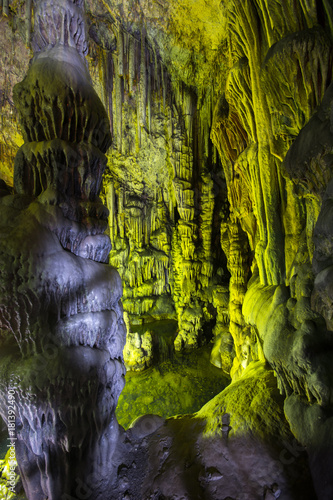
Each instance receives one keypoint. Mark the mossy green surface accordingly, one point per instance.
(178, 386)
(253, 403)
(5, 492)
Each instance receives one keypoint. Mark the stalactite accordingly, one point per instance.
(5, 8)
(121, 53)
(109, 87)
(164, 90)
(28, 9)
(121, 215)
(143, 81)
(102, 71)
(111, 204)
(138, 103)
(119, 109)
(158, 116)
(329, 13)
(131, 63)
(149, 91)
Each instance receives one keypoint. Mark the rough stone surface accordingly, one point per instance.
(62, 328)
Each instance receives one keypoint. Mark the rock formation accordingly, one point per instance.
(219, 190)
(62, 329)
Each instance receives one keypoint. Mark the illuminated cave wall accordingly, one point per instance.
(165, 189)
(204, 103)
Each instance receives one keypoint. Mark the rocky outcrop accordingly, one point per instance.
(138, 350)
(223, 448)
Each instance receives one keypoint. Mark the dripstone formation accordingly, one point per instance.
(219, 188)
(62, 329)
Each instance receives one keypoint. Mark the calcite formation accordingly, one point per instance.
(62, 328)
(154, 226)
(138, 350)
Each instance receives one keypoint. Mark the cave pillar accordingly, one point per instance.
(61, 320)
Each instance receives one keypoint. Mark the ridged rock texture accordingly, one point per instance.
(62, 328)
(219, 189)
(160, 198)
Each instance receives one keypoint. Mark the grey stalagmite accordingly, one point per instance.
(62, 329)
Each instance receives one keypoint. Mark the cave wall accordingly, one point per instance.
(164, 189)
(280, 66)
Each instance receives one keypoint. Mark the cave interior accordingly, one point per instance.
(170, 164)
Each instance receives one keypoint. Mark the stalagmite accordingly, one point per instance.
(55, 223)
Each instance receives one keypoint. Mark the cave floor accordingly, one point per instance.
(176, 386)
